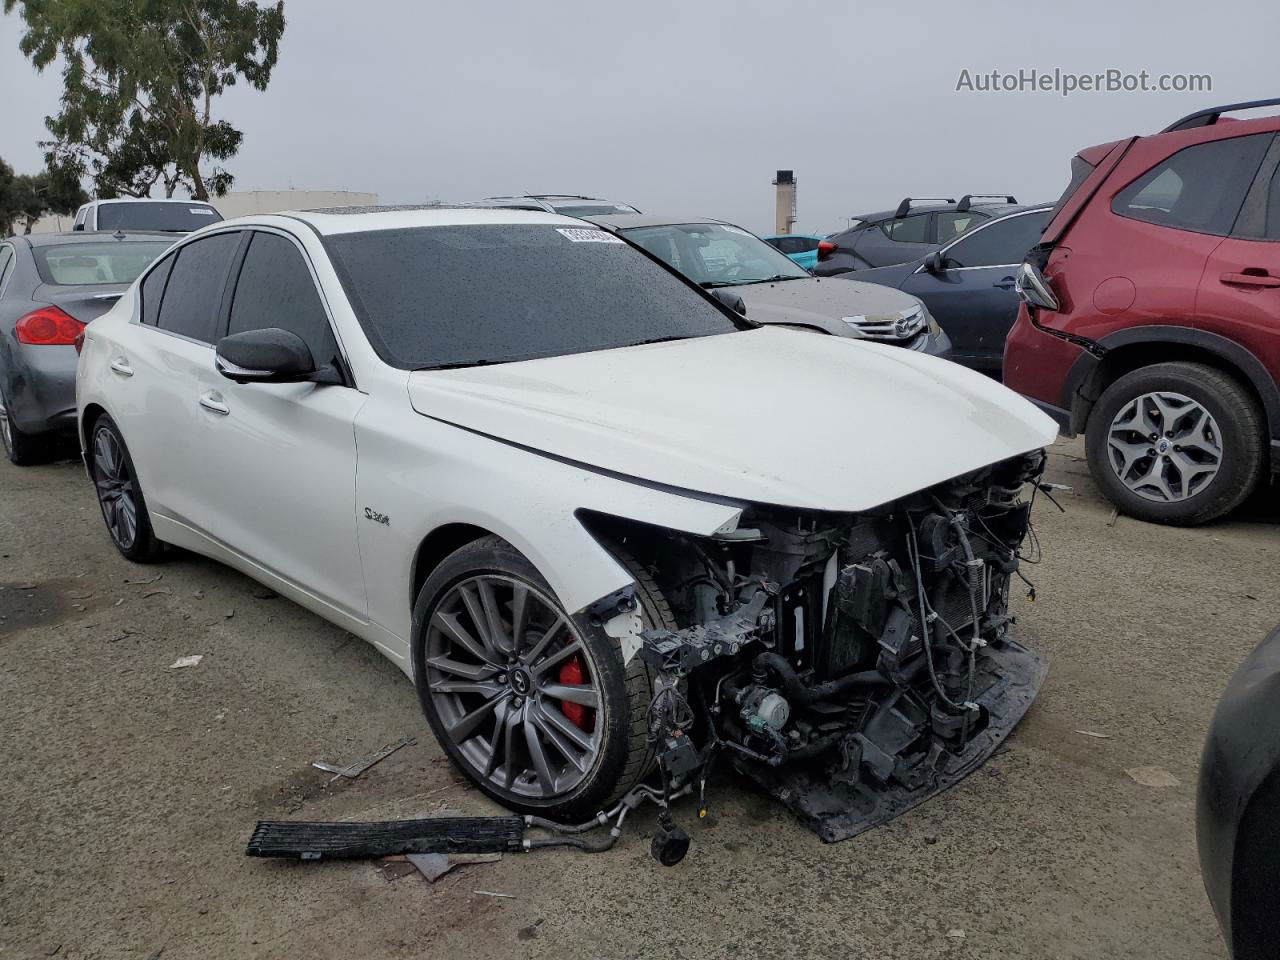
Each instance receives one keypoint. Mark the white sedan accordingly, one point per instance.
(609, 528)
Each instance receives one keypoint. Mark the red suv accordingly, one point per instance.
(1151, 315)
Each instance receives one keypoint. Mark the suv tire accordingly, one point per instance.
(1193, 398)
(454, 685)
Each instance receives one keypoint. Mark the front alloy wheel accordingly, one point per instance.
(509, 680)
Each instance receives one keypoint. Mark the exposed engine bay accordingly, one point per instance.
(852, 665)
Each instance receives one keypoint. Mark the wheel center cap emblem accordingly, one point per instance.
(520, 682)
(1163, 446)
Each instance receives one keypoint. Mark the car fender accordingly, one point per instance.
(1078, 381)
(417, 475)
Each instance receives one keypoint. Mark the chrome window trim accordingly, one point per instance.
(979, 229)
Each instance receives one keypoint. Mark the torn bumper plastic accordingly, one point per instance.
(838, 808)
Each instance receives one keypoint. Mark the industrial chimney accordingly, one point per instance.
(785, 182)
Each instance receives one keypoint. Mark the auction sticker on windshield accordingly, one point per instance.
(587, 236)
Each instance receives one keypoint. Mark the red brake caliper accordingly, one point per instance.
(572, 671)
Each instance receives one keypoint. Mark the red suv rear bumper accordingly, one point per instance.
(1038, 366)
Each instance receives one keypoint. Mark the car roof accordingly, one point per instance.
(991, 209)
(628, 221)
(187, 202)
(83, 236)
(337, 220)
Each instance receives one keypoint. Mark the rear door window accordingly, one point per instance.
(152, 290)
(193, 295)
(1199, 188)
(1272, 229)
(275, 289)
(908, 229)
(952, 225)
(1003, 243)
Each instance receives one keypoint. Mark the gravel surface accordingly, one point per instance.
(130, 786)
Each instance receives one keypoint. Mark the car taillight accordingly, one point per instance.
(825, 249)
(48, 326)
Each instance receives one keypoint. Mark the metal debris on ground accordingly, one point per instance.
(955, 934)
(230, 613)
(158, 590)
(146, 579)
(1115, 515)
(354, 769)
(491, 893)
(190, 661)
(1153, 777)
(1094, 734)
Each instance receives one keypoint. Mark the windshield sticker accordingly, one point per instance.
(203, 211)
(587, 236)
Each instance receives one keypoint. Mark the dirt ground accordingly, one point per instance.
(129, 788)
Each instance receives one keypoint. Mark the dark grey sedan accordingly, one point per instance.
(51, 285)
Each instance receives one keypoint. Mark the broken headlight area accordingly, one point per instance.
(852, 665)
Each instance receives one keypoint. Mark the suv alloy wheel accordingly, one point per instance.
(1177, 443)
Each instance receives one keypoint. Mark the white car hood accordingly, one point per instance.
(771, 416)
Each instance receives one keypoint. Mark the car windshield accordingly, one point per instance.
(716, 255)
(456, 296)
(170, 217)
(86, 264)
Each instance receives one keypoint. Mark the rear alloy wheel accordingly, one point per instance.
(119, 495)
(536, 708)
(1177, 443)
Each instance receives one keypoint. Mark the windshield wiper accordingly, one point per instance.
(710, 284)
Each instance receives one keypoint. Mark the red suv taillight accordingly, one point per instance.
(825, 249)
(48, 326)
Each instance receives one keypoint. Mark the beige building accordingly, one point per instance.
(244, 202)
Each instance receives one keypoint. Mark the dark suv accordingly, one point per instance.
(1151, 314)
(916, 228)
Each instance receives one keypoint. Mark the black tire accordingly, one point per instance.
(1240, 433)
(136, 541)
(624, 754)
(22, 449)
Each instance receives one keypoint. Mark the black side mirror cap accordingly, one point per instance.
(935, 262)
(730, 300)
(270, 355)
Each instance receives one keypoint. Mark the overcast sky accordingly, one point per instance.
(690, 106)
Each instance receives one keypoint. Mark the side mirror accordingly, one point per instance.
(935, 262)
(729, 299)
(271, 355)
(78, 226)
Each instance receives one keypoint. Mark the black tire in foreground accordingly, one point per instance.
(124, 509)
(22, 449)
(1177, 443)
(538, 710)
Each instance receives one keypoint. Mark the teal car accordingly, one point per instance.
(803, 248)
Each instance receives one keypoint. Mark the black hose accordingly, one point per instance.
(799, 694)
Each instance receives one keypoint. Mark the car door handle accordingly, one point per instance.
(212, 401)
(121, 366)
(1006, 283)
(1250, 278)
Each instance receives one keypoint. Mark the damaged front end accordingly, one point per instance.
(852, 665)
